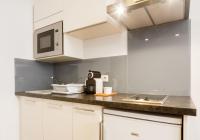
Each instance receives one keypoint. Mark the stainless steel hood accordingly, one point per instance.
(141, 13)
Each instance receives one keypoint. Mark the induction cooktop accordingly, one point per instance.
(146, 98)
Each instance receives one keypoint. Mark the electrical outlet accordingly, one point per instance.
(105, 78)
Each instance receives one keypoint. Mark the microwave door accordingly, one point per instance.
(45, 42)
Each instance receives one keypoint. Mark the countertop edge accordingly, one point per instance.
(164, 110)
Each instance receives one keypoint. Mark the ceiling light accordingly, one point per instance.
(146, 39)
(120, 10)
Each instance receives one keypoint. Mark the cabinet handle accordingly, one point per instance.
(135, 134)
(84, 109)
(100, 131)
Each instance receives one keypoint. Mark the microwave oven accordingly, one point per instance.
(48, 41)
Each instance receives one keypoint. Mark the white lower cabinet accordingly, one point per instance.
(31, 119)
(42, 119)
(57, 120)
(87, 122)
(118, 126)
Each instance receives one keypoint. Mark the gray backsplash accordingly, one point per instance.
(162, 63)
(115, 67)
(32, 75)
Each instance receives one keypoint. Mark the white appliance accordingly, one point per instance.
(121, 125)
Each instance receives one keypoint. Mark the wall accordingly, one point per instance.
(193, 123)
(115, 67)
(16, 41)
(162, 63)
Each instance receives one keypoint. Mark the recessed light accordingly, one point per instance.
(177, 35)
(146, 39)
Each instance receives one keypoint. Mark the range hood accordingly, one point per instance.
(141, 13)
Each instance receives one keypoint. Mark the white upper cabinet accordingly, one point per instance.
(83, 13)
(87, 19)
(47, 12)
(57, 120)
(46, 8)
(83, 19)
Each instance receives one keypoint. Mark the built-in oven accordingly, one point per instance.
(48, 41)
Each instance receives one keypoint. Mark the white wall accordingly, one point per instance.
(15, 41)
(193, 123)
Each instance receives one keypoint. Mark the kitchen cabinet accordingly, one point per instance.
(87, 122)
(88, 19)
(31, 120)
(128, 126)
(45, 8)
(45, 119)
(83, 13)
(81, 19)
(47, 12)
(42, 119)
(57, 120)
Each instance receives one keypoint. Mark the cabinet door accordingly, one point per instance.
(122, 128)
(82, 13)
(86, 124)
(31, 110)
(46, 8)
(57, 120)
